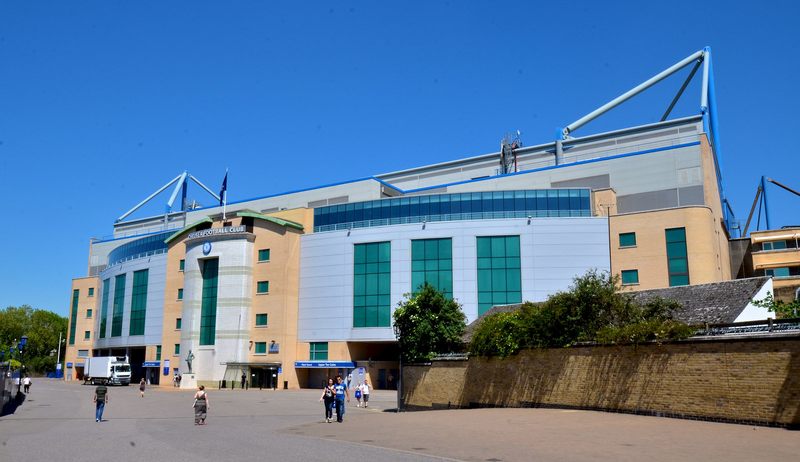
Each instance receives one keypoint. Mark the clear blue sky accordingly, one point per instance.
(102, 102)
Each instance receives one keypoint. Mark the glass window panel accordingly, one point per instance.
(627, 239)
(431, 265)
(484, 263)
(385, 253)
(359, 317)
(513, 280)
(498, 247)
(678, 265)
(677, 280)
(512, 246)
(445, 248)
(676, 249)
(498, 280)
(418, 265)
(431, 249)
(417, 250)
(360, 285)
(630, 276)
(484, 247)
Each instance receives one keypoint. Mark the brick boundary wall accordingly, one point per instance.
(744, 380)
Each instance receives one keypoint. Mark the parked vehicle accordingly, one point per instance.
(110, 370)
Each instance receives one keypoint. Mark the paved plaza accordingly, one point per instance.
(56, 422)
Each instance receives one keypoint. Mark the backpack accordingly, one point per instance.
(358, 394)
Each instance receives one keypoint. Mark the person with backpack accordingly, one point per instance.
(327, 398)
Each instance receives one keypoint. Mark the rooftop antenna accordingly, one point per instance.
(508, 155)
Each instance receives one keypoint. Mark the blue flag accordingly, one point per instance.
(223, 190)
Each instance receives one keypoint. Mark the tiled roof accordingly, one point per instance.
(714, 303)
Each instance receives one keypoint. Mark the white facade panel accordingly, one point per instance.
(154, 310)
(553, 252)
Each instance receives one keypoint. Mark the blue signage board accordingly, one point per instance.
(325, 364)
(69, 365)
(151, 364)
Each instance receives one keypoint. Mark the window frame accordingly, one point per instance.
(634, 272)
(629, 245)
(256, 346)
(266, 320)
(268, 254)
(259, 287)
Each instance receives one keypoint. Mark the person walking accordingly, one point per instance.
(200, 405)
(244, 379)
(26, 382)
(340, 393)
(142, 385)
(328, 398)
(100, 400)
(365, 392)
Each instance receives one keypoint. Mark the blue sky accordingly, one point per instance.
(102, 102)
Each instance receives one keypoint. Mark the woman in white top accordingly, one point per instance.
(365, 392)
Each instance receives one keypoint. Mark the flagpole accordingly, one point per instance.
(224, 194)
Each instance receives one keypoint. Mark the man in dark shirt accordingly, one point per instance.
(100, 399)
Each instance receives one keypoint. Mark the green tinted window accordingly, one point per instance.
(372, 285)
(181, 265)
(104, 308)
(178, 322)
(261, 319)
(177, 350)
(630, 277)
(677, 257)
(499, 275)
(180, 294)
(261, 348)
(91, 291)
(158, 352)
(138, 302)
(86, 334)
(432, 262)
(263, 255)
(119, 300)
(208, 310)
(73, 315)
(263, 287)
(627, 239)
(318, 351)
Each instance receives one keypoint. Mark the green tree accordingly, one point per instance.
(429, 324)
(779, 307)
(40, 326)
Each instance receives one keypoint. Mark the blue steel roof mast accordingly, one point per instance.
(181, 183)
(708, 109)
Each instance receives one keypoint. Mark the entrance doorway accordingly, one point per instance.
(263, 377)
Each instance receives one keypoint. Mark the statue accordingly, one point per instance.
(189, 359)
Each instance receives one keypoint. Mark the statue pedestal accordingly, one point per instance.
(188, 381)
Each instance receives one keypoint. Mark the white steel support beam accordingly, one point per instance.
(633, 92)
(150, 197)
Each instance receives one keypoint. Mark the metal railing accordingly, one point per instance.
(750, 327)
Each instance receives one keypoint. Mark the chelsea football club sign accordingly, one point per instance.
(206, 248)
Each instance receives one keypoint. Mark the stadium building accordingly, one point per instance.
(292, 287)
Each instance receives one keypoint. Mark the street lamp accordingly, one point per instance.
(398, 334)
(21, 346)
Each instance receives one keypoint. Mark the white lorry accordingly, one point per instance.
(112, 370)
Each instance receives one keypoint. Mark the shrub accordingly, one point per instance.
(592, 310)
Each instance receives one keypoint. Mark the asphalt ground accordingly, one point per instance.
(56, 422)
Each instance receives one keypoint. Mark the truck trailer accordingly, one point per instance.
(109, 370)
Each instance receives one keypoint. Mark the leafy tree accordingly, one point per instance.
(779, 307)
(430, 323)
(42, 328)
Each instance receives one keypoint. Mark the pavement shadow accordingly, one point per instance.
(12, 405)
